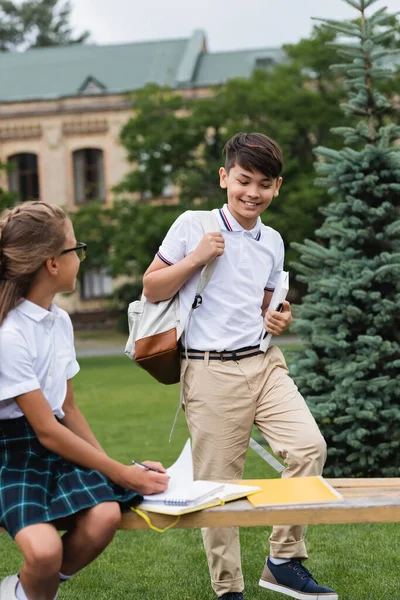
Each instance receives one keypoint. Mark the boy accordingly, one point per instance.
(228, 384)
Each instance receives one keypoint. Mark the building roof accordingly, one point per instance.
(217, 68)
(65, 71)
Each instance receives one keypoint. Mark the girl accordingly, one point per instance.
(53, 471)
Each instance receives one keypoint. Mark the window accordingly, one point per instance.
(23, 177)
(89, 175)
(264, 63)
(96, 284)
(91, 85)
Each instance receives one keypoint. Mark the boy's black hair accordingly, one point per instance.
(254, 152)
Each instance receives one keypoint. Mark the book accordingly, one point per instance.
(292, 490)
(194, 493)
(278, 297)
(185, 494)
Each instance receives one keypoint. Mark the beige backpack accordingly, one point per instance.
(155, 328)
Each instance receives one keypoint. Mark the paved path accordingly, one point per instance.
(115, 350)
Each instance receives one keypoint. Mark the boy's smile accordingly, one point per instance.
(249, 193)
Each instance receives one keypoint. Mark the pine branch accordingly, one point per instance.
(341, 27)
(357, 5)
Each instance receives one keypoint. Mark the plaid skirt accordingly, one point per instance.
(38, 486)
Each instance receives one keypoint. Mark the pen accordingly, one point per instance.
(136, 462)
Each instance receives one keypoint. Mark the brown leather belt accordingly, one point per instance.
(224, 355)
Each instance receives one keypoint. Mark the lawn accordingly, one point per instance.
(132, 416)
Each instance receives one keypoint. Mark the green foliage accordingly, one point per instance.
(350, 318)
(7, 199)
(139, 229)
(35, 24)
(179, 139)
(94, 225)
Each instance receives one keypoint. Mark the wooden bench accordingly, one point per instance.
(365, 501)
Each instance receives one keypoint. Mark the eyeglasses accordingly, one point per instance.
(80, 250)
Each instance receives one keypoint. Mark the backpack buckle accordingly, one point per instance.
(197, 301)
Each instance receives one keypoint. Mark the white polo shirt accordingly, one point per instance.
(229, 317)
(36, 352)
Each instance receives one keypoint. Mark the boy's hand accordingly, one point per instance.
(277, 322)
(210, 246)
(144, 481)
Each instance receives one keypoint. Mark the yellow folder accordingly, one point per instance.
(292, 490)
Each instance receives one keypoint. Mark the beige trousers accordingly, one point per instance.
(222, 400)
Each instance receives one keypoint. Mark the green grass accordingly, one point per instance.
(99, 338)
(132, 417)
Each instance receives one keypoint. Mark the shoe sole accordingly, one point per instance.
(293, 594)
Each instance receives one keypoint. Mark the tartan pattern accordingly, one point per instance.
(38, 486)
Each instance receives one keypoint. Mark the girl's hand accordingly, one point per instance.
(277, 322)
(210, 246)
(142, 480)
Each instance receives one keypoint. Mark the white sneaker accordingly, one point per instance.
(8, 587)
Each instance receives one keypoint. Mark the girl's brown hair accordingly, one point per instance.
(30, 233)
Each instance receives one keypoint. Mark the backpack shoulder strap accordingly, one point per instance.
(208, 220)
(210, 223)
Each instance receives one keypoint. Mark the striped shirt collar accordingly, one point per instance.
(229, 223)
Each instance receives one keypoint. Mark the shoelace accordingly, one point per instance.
(298, 566)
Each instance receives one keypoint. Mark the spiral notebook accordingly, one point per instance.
(190, 494)
(184, 494)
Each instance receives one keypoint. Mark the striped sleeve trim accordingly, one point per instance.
(161, 257)
(267, 289)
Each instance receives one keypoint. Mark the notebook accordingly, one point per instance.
(292, 490)
(184, 494)
(192, 494)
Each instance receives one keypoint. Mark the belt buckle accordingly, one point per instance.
(231, 355)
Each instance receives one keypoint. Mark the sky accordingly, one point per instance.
(229, 24)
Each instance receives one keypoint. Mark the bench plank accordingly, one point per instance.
(365, 501)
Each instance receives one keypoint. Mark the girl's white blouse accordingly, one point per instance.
(36, 352)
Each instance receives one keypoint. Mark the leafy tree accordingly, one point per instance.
(176, 139)
(350, 318)
(94, 225)
(122, 240)
(36, 23)
(137, 235)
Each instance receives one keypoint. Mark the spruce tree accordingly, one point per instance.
(349, 319)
